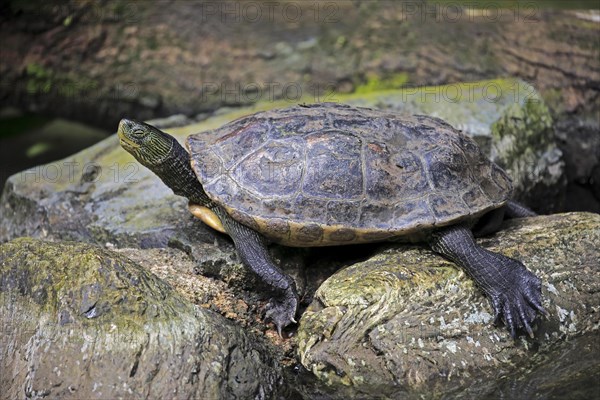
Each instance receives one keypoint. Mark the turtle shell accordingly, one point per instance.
(330, 174)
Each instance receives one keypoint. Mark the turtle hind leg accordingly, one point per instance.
(515, 292)
(491, 222)
(515, 209)
(252, 249)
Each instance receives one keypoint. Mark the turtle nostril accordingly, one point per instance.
(124, 123)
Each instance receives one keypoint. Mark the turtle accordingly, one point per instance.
(329, 174)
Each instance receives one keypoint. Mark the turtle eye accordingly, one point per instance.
(137, 132)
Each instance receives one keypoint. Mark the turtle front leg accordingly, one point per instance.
(514, 291)
(252, 249)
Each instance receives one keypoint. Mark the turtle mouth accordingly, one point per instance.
(128, 144)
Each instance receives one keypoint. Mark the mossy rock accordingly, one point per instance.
(406, 321)
(84, 322)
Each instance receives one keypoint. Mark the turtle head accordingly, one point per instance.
(149, 145)
(163, 155)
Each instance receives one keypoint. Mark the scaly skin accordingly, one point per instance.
(252, 249)
(514, 291)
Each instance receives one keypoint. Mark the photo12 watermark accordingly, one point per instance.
(322, 92)
(68, 12)
(468, 11)
(488, 91)
(256, 12)
(73, 172)
(254, 92)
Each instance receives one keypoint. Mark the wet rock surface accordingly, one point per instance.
(580, 143)
(103, 60)
(80, 321)
(365, 333)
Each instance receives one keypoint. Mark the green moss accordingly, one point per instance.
(39, 79)
(37, 149)
(152, 43)
(554, 100)
(81, 279)
(43, 80)
(367, 282)
(376, 83)
(592, 26)
(522, 128)
(37, 71)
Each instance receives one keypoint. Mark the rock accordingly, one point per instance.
(84, 322)
(524, 145)
(171, 121)
(406, 321)
(317, 46)
(151, 102)
(580, 142)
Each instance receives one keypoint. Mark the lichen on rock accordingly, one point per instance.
(406, 320)
(80, 321)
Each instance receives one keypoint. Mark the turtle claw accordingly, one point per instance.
(282, 310)
(514, 291)
(516, 301)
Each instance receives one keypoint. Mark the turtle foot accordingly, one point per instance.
(282, 310)
(515, 294)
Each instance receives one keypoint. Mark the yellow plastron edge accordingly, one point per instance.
(207, 216)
